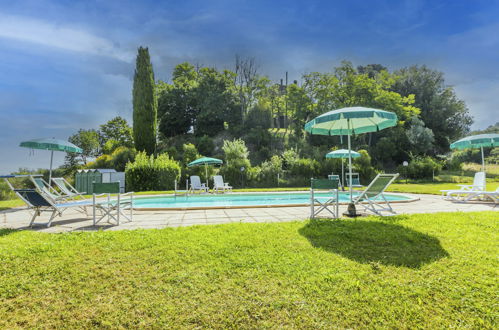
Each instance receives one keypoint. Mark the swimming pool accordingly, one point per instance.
(240, 200)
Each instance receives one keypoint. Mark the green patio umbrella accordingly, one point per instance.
(205, 161)
(52, 145)
(342, 153)
(348, 121)
(477, 141)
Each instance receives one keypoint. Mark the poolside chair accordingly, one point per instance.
(66, 188)
(336, 177)
(46, 188)
(478, 194)
(355, 180)
(371, 197)
(465, 191)
(38, 202)
(219, 184)
(196, 184)
(113, 209)
(324, 202)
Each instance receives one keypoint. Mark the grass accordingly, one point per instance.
(5, 205)
(425, 270)
(490, 169)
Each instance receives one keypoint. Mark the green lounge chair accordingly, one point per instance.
(336, 177)
(48, 190)
(324, 202)
(371, 197)
(67, 189)
(355, 180)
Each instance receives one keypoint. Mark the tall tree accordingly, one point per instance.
(441, 110)
(176, 102)
(88, 141)
(144, 104)
(118, 130)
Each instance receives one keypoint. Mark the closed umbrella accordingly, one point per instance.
(477, 141)
(205, 161)
(342, 153)
(348, 121)
(52, 145)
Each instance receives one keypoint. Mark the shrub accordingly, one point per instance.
(236, 158)
(5, 192)
(122, 156)
(103, 161)
(363, 166)
(149, 173)
(269, 171)
(205, 145)
(421, 168)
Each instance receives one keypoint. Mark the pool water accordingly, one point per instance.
(239, 200)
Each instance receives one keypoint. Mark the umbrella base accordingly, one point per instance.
(351, 211)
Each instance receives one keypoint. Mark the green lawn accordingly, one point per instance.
(426, 270)
(5, 205)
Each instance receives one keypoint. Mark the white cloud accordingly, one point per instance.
(50, 34)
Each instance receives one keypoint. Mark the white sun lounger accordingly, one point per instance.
(219, 184)
(465, 191)
(196, 184)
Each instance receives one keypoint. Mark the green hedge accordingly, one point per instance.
(148, 173)
(421, 168)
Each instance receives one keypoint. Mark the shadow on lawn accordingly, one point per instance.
(371, 241)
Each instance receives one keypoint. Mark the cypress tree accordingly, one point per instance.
(144, 104)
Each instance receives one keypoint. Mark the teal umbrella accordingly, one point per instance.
(348, 121)
(342, 153)
(52, 145)
(477, 141)
(205, 161)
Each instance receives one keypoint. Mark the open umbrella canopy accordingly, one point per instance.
(51, 144)
(205, 161)
(348, 121)
(477, 141)
(342, 153)
(353, 120)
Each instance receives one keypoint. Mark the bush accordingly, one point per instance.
(103, 161)
(122, 156)
(363, 166)
(236, 158)
(269, 171)
(5, 192)
(421, 168)
(148, 173)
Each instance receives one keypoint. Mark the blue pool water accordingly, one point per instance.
(238, 200)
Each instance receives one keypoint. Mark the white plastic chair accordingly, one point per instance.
(219, 184)
(196, 184)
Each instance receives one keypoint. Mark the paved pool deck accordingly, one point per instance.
(71, 220)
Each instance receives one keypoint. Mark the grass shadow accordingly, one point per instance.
(374, 242)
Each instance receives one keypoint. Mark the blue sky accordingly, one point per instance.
(66, 65)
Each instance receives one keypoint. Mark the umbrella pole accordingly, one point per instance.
(350, 166)
(206, 173)
(50, 170)
(483, 160)
(342, 175)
